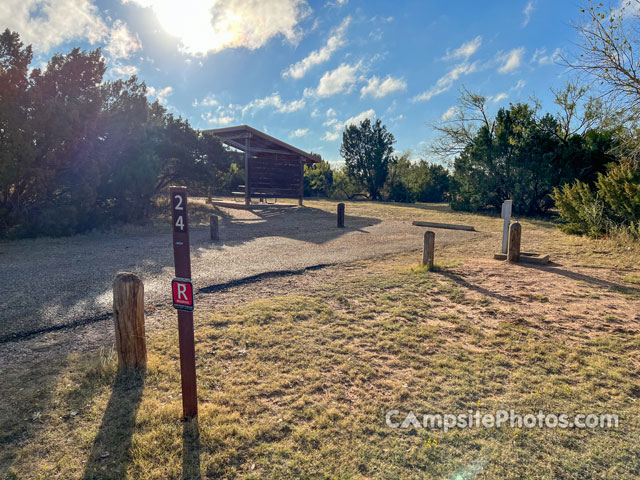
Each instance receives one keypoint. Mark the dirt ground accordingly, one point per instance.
(49, 283)
(281, 357)
(566, 294)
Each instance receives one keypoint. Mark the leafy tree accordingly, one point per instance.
(77, 152)
(318, 179)
(16, 151)
(521, 155)
(417, 181)
(430, 182)
(367, 150)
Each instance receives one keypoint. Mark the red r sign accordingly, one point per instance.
(182, 294)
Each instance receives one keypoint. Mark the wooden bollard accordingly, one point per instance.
(515, 234)
(341, 215)
(213, 228)
(128, 318)
(428, 249)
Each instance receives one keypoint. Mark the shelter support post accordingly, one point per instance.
(247, 187)
(301, 186)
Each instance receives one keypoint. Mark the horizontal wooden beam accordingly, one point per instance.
(449, 226)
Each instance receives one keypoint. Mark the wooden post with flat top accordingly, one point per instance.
(428, 249)
(341, 215)
(213, 228)
(128, 319)
(515, 234)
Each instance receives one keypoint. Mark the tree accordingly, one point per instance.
(77, 152)
(16, 151)
(606, 53)
(367, 150)
(459, 130)
(318, 179)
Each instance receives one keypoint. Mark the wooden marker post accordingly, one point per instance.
(182, 290)
(213, 228)
(128, 319)
(515, 233)
(341, 215)
(506, 214)
(428, 249)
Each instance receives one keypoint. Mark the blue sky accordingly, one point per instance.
(301, 70)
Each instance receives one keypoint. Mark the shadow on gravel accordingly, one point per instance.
(75, 274)
(305, 224)
(110, 454)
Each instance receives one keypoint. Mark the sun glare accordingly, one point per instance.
(205, 26)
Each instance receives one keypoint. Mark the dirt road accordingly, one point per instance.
(47, 283)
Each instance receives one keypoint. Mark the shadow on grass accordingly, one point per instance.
(463, 283)
(581, 277)
(110, 454)
(191, 450)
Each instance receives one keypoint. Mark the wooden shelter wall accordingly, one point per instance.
(279, 177)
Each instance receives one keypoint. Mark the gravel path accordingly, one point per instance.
(53, 282)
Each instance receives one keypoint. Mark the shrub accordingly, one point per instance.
(612, 206)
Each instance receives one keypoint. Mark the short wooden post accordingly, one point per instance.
(209, 195)
(428, 249)
(128, 318)
(341, 215)
(515, 234)
(213, 228)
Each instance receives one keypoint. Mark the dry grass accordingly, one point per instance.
(296, 383)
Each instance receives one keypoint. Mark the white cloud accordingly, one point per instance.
(445, 82)
(205, 26)
(160, 95)
(122, 43)
(542, 58)
(511, 60)
(300, 132)
(46, 24)
(208, 101)
(340, 80)
(220, 114)
(331, 136)
(214, 119)
(499, 97)
(337, 126)
(274, 100)
(379, 89)
(528, 10)
(465, 51)
(331, 112)
(123, 70)
(520, 85)
(335, 41)
(449, 114)
(355, 120)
